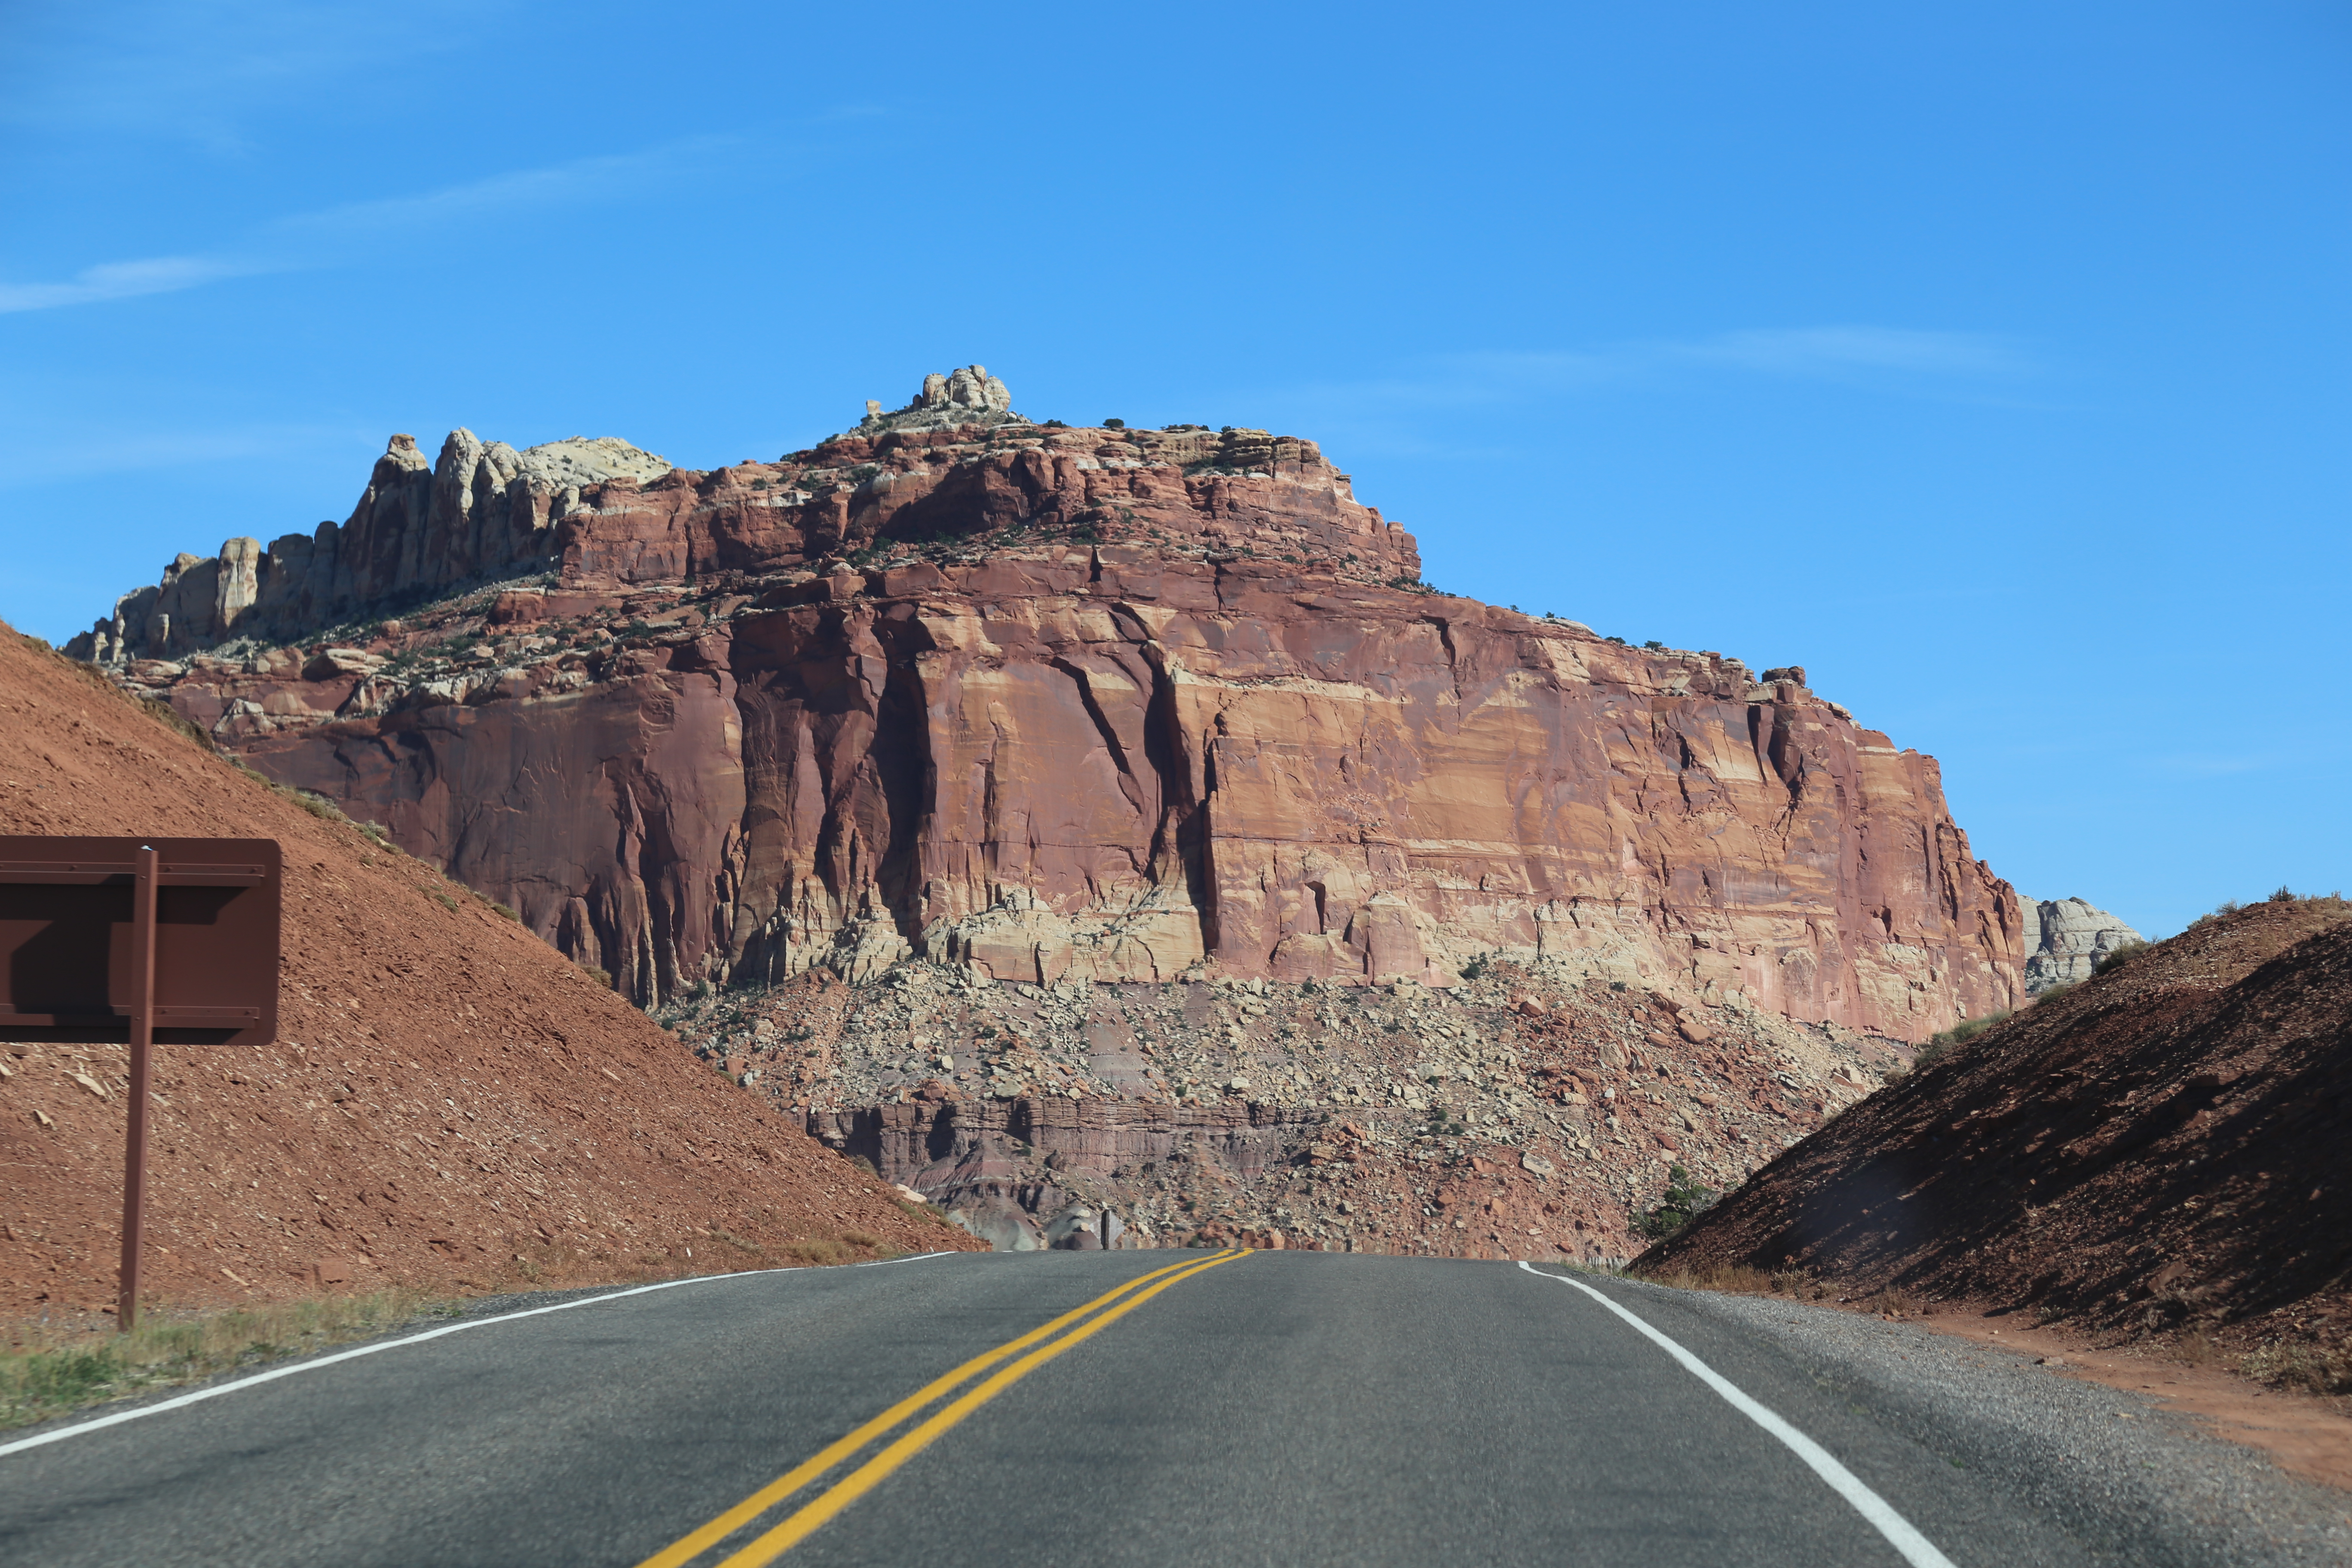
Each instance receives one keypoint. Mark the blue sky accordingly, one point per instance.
(1993, 361)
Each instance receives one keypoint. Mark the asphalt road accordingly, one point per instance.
(1280, 1408)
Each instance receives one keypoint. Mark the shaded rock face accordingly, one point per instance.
(2064, 938)
(1113, 706)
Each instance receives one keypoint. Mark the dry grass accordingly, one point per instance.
(2313, 1369)
(1738, 1280)
(1729, 1279)
(1799, 1284)
(49, 1376)
(923, 1211)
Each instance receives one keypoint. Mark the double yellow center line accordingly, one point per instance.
(1096, 1315)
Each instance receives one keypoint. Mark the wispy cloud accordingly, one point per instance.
(335, 234)
(121, 281)
(1832, 352)
(1391, 412)
(196, 71)
(1842, 351)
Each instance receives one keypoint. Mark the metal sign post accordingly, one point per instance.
(96, 954)
(142, 1043)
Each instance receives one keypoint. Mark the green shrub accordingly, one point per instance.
(1684, 1200)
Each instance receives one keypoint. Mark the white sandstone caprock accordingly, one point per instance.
(2064, 938)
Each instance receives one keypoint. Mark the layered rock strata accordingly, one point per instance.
(1097, 705)
(2064, 939)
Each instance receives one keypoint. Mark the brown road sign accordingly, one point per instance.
(67, 936)
(145, 941)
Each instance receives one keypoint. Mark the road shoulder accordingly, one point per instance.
(2123, 1469)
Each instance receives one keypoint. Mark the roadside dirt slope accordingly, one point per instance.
(451, 1104)
(2158, 1151)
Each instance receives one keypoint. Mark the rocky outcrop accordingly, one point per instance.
(1090, 704)
(419, 532)
(1518, 1112)
(2063, 940)
(968, 396)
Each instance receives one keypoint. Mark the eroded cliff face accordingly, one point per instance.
(1115, 706)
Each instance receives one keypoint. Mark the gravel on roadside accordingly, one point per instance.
(2155, 1488)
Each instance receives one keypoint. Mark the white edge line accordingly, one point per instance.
(1916, 1549)
(274, 1374)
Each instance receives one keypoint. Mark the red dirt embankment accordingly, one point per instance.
(2159, 1153)
(450, 1105)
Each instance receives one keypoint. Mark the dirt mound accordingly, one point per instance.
(451, 1104)
(2158, 1151)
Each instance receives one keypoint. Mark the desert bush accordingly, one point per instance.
(2318, 1369)
(1684, 1200)
(817, 1250)
(1938, 1046)
(1797, 1281)
(2117, 957)
(317, 806)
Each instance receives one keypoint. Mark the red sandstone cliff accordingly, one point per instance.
(1093, 703)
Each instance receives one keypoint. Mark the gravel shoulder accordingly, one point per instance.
(2132, 1480)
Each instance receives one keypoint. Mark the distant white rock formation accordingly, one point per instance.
(948, 402)
(2064, 938)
